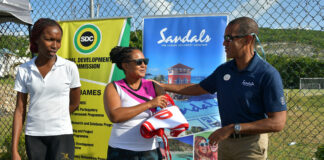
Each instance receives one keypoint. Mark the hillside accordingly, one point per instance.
(291, 49)
(299, 36)
(176, 145)
(292, 42)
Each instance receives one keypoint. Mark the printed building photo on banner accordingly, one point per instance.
(186, 50)
(202, 149)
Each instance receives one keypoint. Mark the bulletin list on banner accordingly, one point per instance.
(88, 43)
(186, 49)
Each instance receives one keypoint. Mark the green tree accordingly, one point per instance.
(319, 154)
(14, 44)
(159, 78)
(292, 68)
(136, 39)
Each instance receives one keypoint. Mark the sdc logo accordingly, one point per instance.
(87, 39)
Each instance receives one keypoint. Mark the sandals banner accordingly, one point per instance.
(186, 49)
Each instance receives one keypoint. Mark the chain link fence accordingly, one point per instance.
(291, 33)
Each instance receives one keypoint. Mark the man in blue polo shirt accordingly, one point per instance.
(249, 92)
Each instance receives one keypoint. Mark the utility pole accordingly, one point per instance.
(91, 9)
(98, 8)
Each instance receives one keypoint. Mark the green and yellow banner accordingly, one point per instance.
(88, 43)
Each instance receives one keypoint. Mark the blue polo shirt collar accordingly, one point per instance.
(252, 65)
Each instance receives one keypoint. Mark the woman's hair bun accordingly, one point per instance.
(119, 55)
(115, 54)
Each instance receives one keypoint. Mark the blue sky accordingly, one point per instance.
(276, 14)
(186, 139)
(304, 14)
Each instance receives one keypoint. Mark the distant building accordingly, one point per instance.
(9, 62)
(179, 74)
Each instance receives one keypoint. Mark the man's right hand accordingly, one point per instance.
(221, 134)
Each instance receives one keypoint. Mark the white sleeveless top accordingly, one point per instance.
(126, 135)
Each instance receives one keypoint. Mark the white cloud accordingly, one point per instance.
(146, 8)
(159, 7)
(124, 3)
(152, 7)
(153, 70)
(253, 8)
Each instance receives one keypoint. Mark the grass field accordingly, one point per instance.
(5, 130)
(304, 126)
(7, 80)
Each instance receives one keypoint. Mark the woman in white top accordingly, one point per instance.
(53, 85)
(128, 103)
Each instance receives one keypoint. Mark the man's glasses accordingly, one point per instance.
(140, 61)
(203, 144)
(229, 38)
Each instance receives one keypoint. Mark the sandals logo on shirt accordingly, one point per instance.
(87, 38)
